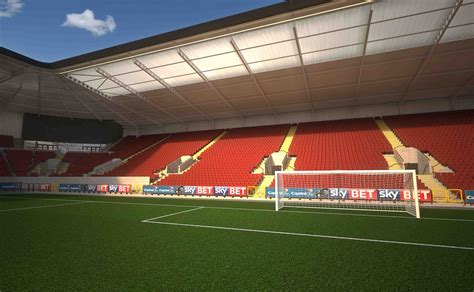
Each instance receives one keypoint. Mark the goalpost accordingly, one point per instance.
(367, 190)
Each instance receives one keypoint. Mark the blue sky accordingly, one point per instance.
(35, 28)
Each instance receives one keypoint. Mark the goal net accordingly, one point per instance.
(368, 190)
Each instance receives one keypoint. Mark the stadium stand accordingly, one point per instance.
(6, 141)
(132, 144)
(447, 136)
(41, 156)
(345, 144)
(231, 160)
(20, 161)
(157, 157)
(341, 145)
(83, 162)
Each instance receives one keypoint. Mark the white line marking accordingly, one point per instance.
(314, 235)
(248, 209)
(38, 207)
(172, 214)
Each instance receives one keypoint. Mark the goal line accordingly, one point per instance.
(295, 234)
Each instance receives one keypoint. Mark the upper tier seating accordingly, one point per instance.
(159, 156)
(447, 136)
(345, 144)
(20, 161)
(3, 167)
(231, 160)
(6, 141)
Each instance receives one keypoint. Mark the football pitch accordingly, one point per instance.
(68, 242)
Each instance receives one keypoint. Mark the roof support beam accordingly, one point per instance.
(10, 99)
(208, 82)
(169, 87)
(65, 106)
(303, 69)
(77, 97)
(440, 35)
(252, 75)
(106, 97)
(111, 110)
(12, 75)
(363, 55)
(136, 93)
(323, 50)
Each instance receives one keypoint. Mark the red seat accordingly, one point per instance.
(447, 136)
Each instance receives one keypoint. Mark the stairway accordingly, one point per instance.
(291, 164)
(268, 178)
(209, 145)
(392, 162)
(436, 166)
(285, 146)
(62, 167)
(389, 134)
(163, 173)
(107, 148)
(266, 182)
(60, 155)
(260, 167)
(438, 190)
(144, 149)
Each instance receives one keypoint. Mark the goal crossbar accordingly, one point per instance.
(367, 190)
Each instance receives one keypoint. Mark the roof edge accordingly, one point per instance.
(287, 6)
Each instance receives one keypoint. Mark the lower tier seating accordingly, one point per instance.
(447, 136)
(20, 161)
(345, 144)
(4, 167)
(42, 156)
(83, 162)
(231, 160)
(131, 144)
(6, 141)
(157, 157)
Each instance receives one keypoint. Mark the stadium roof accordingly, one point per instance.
(297, 56)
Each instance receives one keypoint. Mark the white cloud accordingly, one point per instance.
(8, 8)
(86, 20)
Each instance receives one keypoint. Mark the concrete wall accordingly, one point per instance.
(11, 123)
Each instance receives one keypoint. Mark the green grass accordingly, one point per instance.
(102, 244)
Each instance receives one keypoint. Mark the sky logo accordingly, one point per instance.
(113, 188)
(189, 190)
(389, 195)
(221, 191)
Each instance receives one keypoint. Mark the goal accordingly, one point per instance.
(368, 190)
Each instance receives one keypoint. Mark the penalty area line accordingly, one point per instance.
(169, 215)
(314, 235)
